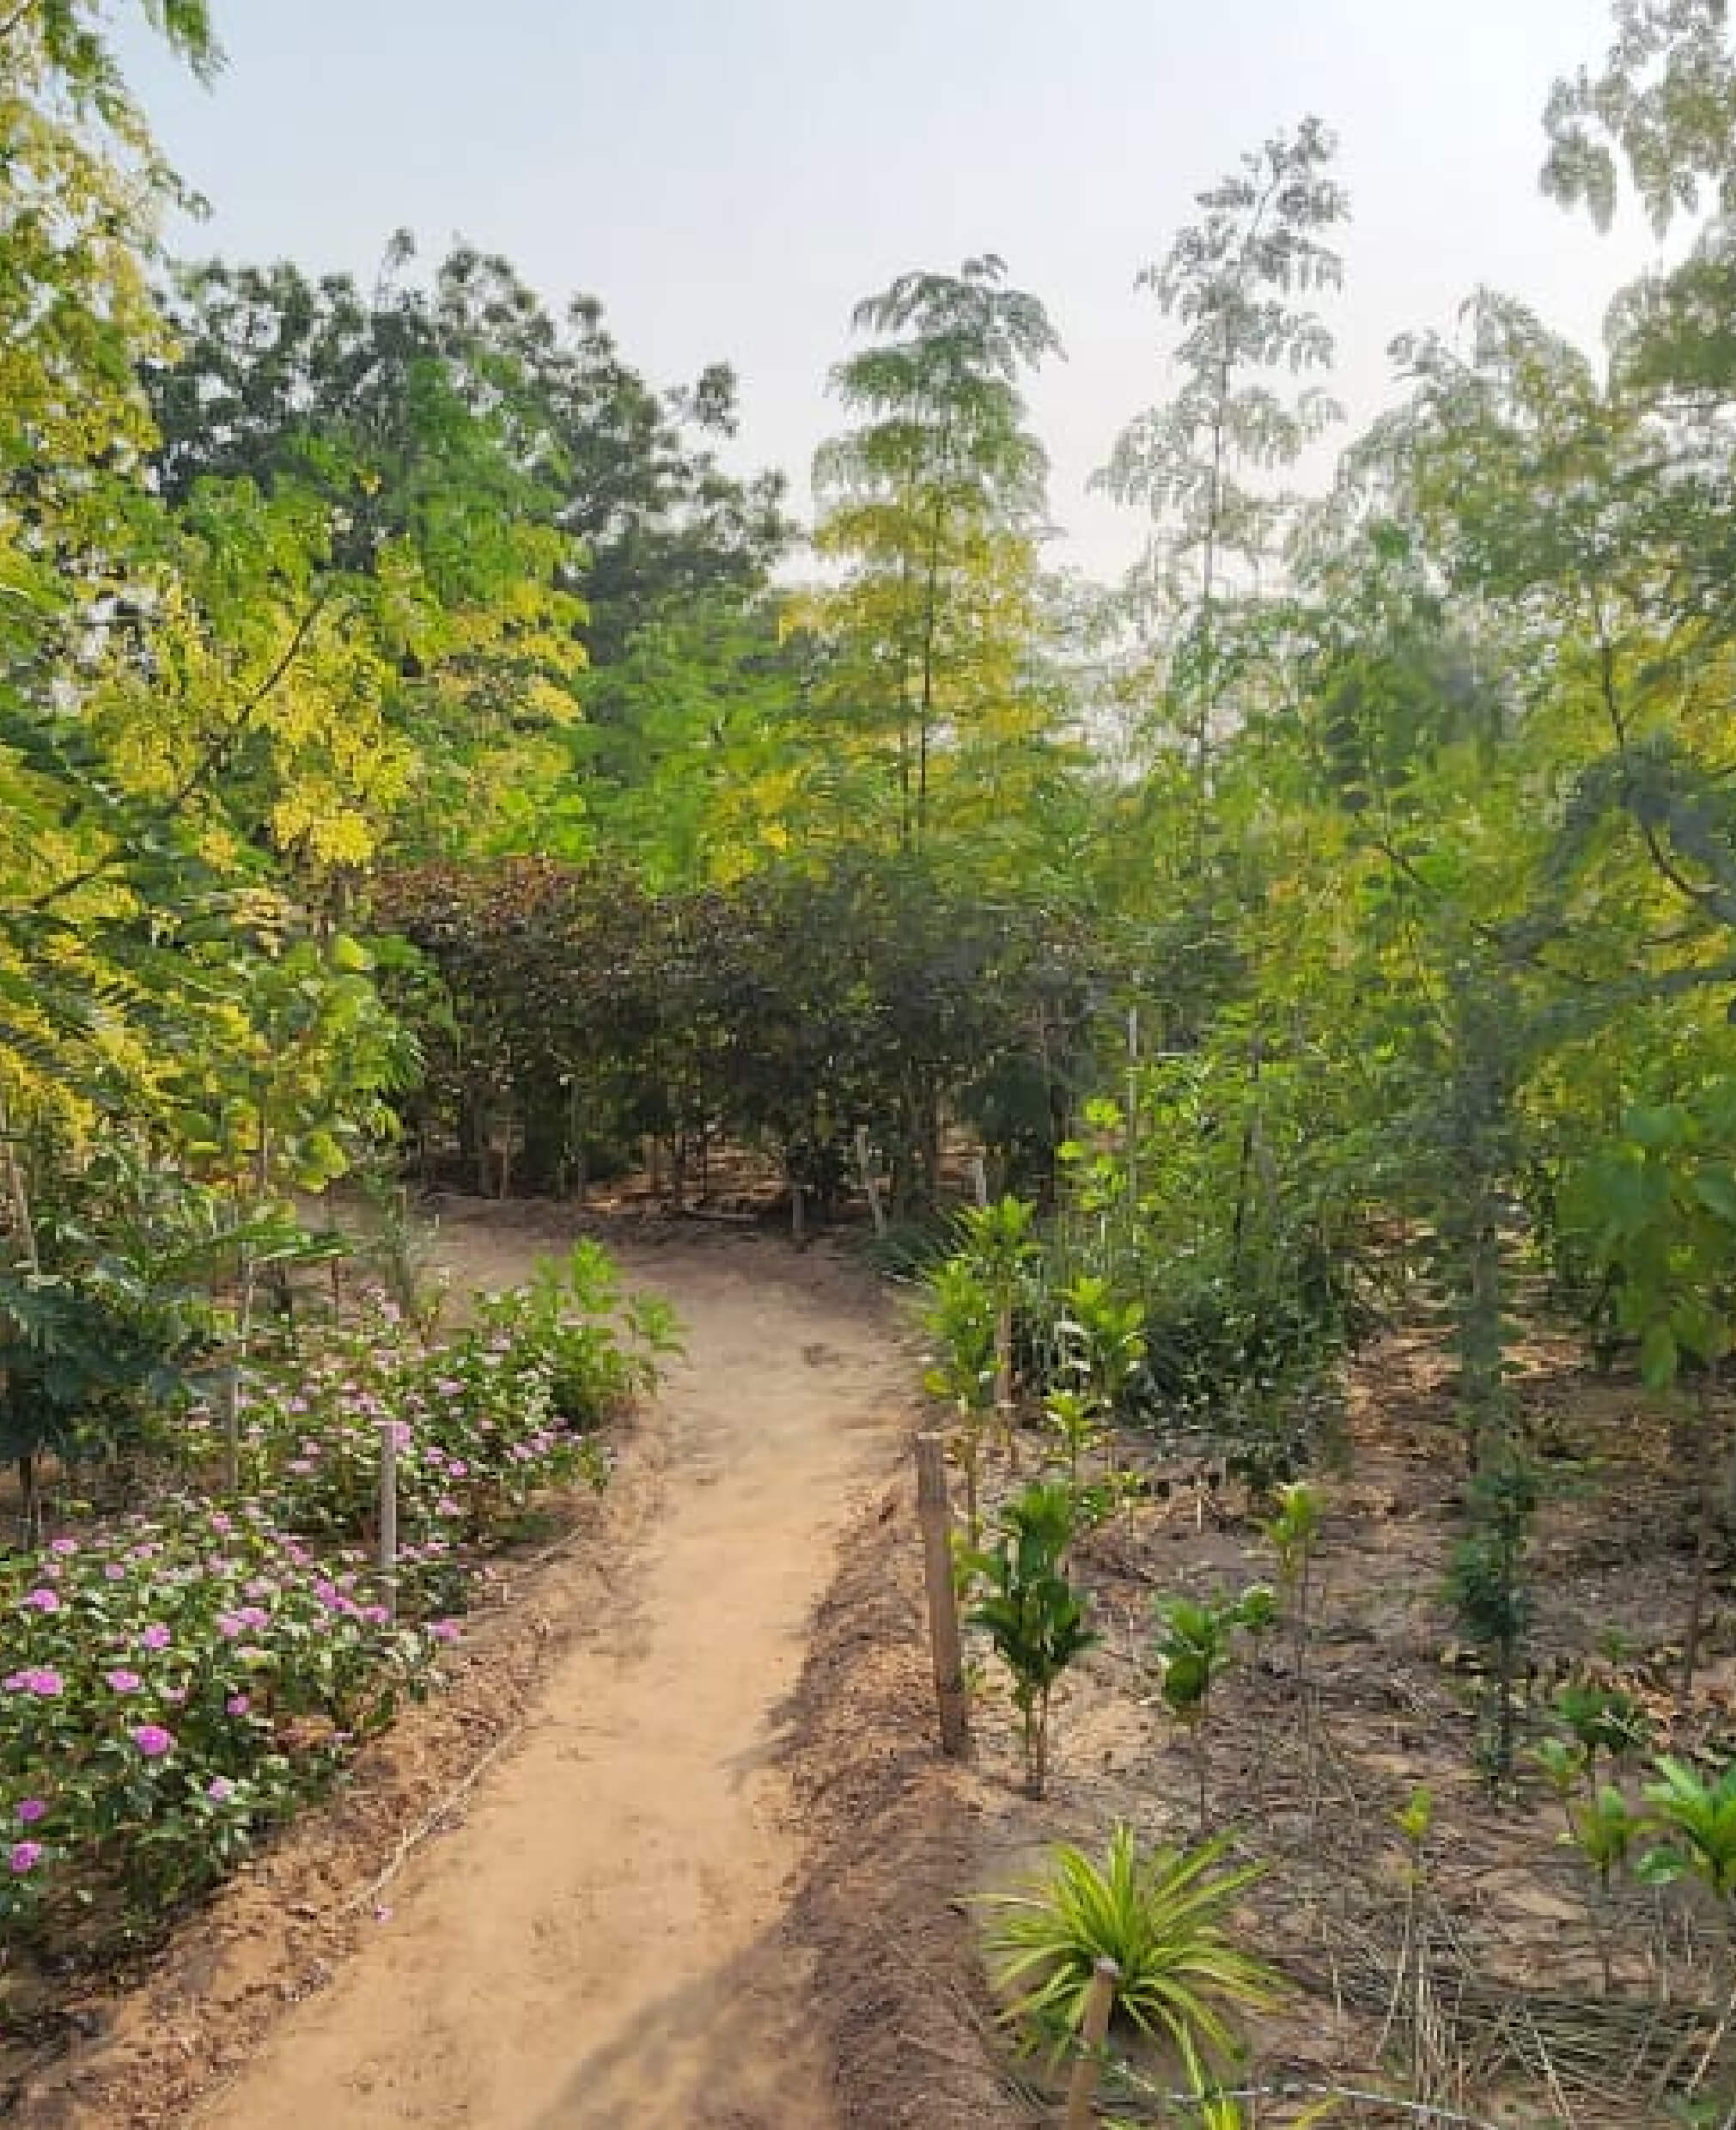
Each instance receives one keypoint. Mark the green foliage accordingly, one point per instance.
(179, 1683)
(1486, 1580)
(1033, 1616)
(1196, 1643)
(1695, 1817)
(1232, 281)
(959, 1316)
(1161, 1915)
(584, 1008)
(933, 506)
(1602, 1718)
(1605, 1828)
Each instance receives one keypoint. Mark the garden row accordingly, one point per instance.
(181, 1678)
(1552, 1760)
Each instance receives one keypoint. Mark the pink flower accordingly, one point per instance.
(64, 1546)
(24, 1856)
(115, 1573)
(43, 1600)
(444, 1630)
(45, 1683)
(124, 1681)
(220, 1789)
(30, 1810)
(238, 1703)
(156, 1636)
(152, 1740)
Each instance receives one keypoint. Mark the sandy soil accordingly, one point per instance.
(601, 1943)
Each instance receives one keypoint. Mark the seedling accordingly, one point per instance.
(1195, 1646)
(1294, 1534)
(1000, 1243)
(1031, 1613)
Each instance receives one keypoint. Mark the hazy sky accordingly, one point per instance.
(730, 176)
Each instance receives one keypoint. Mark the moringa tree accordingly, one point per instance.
(933, 506)
(1233, 281)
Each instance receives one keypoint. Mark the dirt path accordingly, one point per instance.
(601, 1943)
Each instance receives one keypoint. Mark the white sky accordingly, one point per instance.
(730, 176)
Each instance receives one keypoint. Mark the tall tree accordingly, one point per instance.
(503, 445)
(1235, 281)
(933, 506)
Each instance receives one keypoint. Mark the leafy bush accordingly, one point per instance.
(484, 1420)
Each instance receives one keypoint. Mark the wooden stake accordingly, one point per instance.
(1087, 2065)
(979, 1178)
(388, 1515)
(935, 1512)
(870, 1182)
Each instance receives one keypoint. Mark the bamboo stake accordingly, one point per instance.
(980, 1179)
(936, 1513)
(1087, 2066)
(870, 1182)
(388, 1515)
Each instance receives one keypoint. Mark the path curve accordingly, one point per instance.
(601, 1942)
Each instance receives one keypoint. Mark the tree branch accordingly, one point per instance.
(209, 759)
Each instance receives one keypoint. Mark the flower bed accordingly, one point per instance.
(175, 1683)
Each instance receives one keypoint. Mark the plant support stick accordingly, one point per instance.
(936, 1513)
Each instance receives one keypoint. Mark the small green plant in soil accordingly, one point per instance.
(1294, 1535)
(1605, 1828)
(1101, 1336)
(1486, 1581)
(1073, 1417)
(1033, 1616)
(1601, 1718)
(1000, 1245)
(1196, 1643)
(960, 1317)
(1162, 1915)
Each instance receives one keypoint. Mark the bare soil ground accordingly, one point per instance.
(1482, 1996)
(627, 1917)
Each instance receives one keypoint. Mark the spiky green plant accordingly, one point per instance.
(1161, 1916)
(1695, 1816)
(1603, 1828)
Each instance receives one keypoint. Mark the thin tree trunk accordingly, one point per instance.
(1706, 1524)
